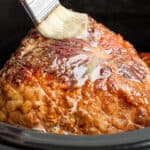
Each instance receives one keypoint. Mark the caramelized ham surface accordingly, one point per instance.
(96, 84)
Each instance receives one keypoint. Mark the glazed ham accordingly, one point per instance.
(96, 84)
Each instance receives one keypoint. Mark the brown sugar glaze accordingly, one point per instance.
(95, 84)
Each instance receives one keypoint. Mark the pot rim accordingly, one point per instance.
(19, 135)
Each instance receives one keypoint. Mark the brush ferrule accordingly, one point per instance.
(38, 10)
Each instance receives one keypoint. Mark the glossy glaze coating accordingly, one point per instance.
(95, 84)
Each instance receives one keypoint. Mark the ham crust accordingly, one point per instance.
(95, 84)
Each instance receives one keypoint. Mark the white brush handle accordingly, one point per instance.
(38, 10)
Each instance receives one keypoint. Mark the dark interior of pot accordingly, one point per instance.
(130, 18)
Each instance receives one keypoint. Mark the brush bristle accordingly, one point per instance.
(63, 23)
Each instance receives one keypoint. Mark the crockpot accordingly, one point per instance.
(131, 18)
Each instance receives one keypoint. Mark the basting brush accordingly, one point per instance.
(53, 20)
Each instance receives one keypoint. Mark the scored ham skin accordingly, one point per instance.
(96, 84)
